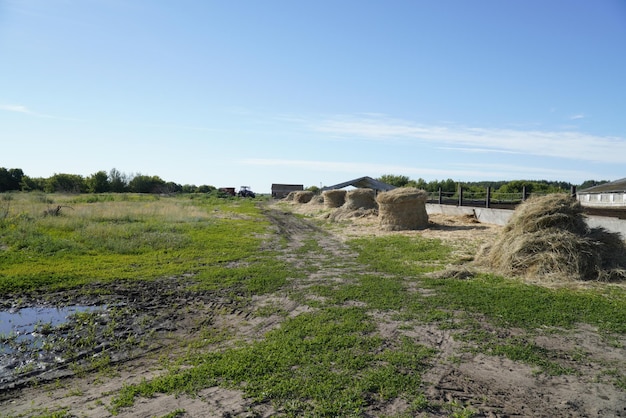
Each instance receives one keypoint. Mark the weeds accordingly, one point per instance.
(122, 240)
(325, 360)
(331, 360)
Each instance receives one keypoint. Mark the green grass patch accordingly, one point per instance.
(512, 303)
(387, 293)
(506, 301)
(323, 364)
(401, 254)
(126, 238)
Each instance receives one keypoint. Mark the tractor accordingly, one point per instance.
(245, 191)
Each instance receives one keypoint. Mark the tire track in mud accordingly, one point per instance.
(160, 307)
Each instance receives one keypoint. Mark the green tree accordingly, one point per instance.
(146, 184)
(189, 188)
(170, 187)
(10, 179)
(31, 184)
(591, 183)
(394, 180)
(98, 182)
(65, 183)
(118, 182)
(419, 184)
(446, 186)
(206, 188)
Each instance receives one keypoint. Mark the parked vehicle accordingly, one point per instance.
(245, 191)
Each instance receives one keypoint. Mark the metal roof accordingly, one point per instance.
(363, 183)
(617, 186)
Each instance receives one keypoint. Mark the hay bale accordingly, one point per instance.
(548, 236)
(360, 199)
(555, 210)
(317, 200)
(334, 198)
(303, 196)
(403, 208)
(290, 196)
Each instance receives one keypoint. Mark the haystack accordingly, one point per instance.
(290, 196)
(360, 199)
(548, 236)
(303, 196)
(402, 208)
(334, 198)
(317, 200)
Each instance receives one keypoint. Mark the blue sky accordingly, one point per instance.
(243, 92)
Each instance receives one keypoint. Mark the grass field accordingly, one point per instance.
(330, 360)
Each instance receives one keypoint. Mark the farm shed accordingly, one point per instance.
(280, 191)
(363, 183)
(608, 195)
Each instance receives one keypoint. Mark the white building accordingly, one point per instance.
(607, 195)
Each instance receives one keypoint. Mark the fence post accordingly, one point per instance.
(573, 192)
(524, 195)
(488, 199)
(460, 195)
(440, 200)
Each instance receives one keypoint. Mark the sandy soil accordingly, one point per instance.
(491, 386)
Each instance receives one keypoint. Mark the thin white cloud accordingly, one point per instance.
(22, 109)
(338, 166)
(27, 111)
(576, 117)
(16, 108)
(456, 171)
(562, 144)
(479, 150)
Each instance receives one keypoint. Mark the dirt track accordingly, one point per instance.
(491, 386)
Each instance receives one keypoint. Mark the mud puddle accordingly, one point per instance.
(48, 336)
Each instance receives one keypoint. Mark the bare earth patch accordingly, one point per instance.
(491, 386)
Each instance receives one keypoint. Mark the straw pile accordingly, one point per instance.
(547, 236)
(317, 200)
(334, 198)
(342, 214)
(303, 196)
(290, 196)
(403, 208)
(360, 199)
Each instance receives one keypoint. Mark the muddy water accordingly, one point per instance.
(23, 335)
(113, 321)
(22, 322)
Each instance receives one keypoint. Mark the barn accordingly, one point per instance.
(363, 183)
(280, 191)
(608, 195)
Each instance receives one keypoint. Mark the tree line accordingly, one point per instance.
(14, 179)
(450, 186)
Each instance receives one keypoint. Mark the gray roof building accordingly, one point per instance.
(363, 183)
(608, 195)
